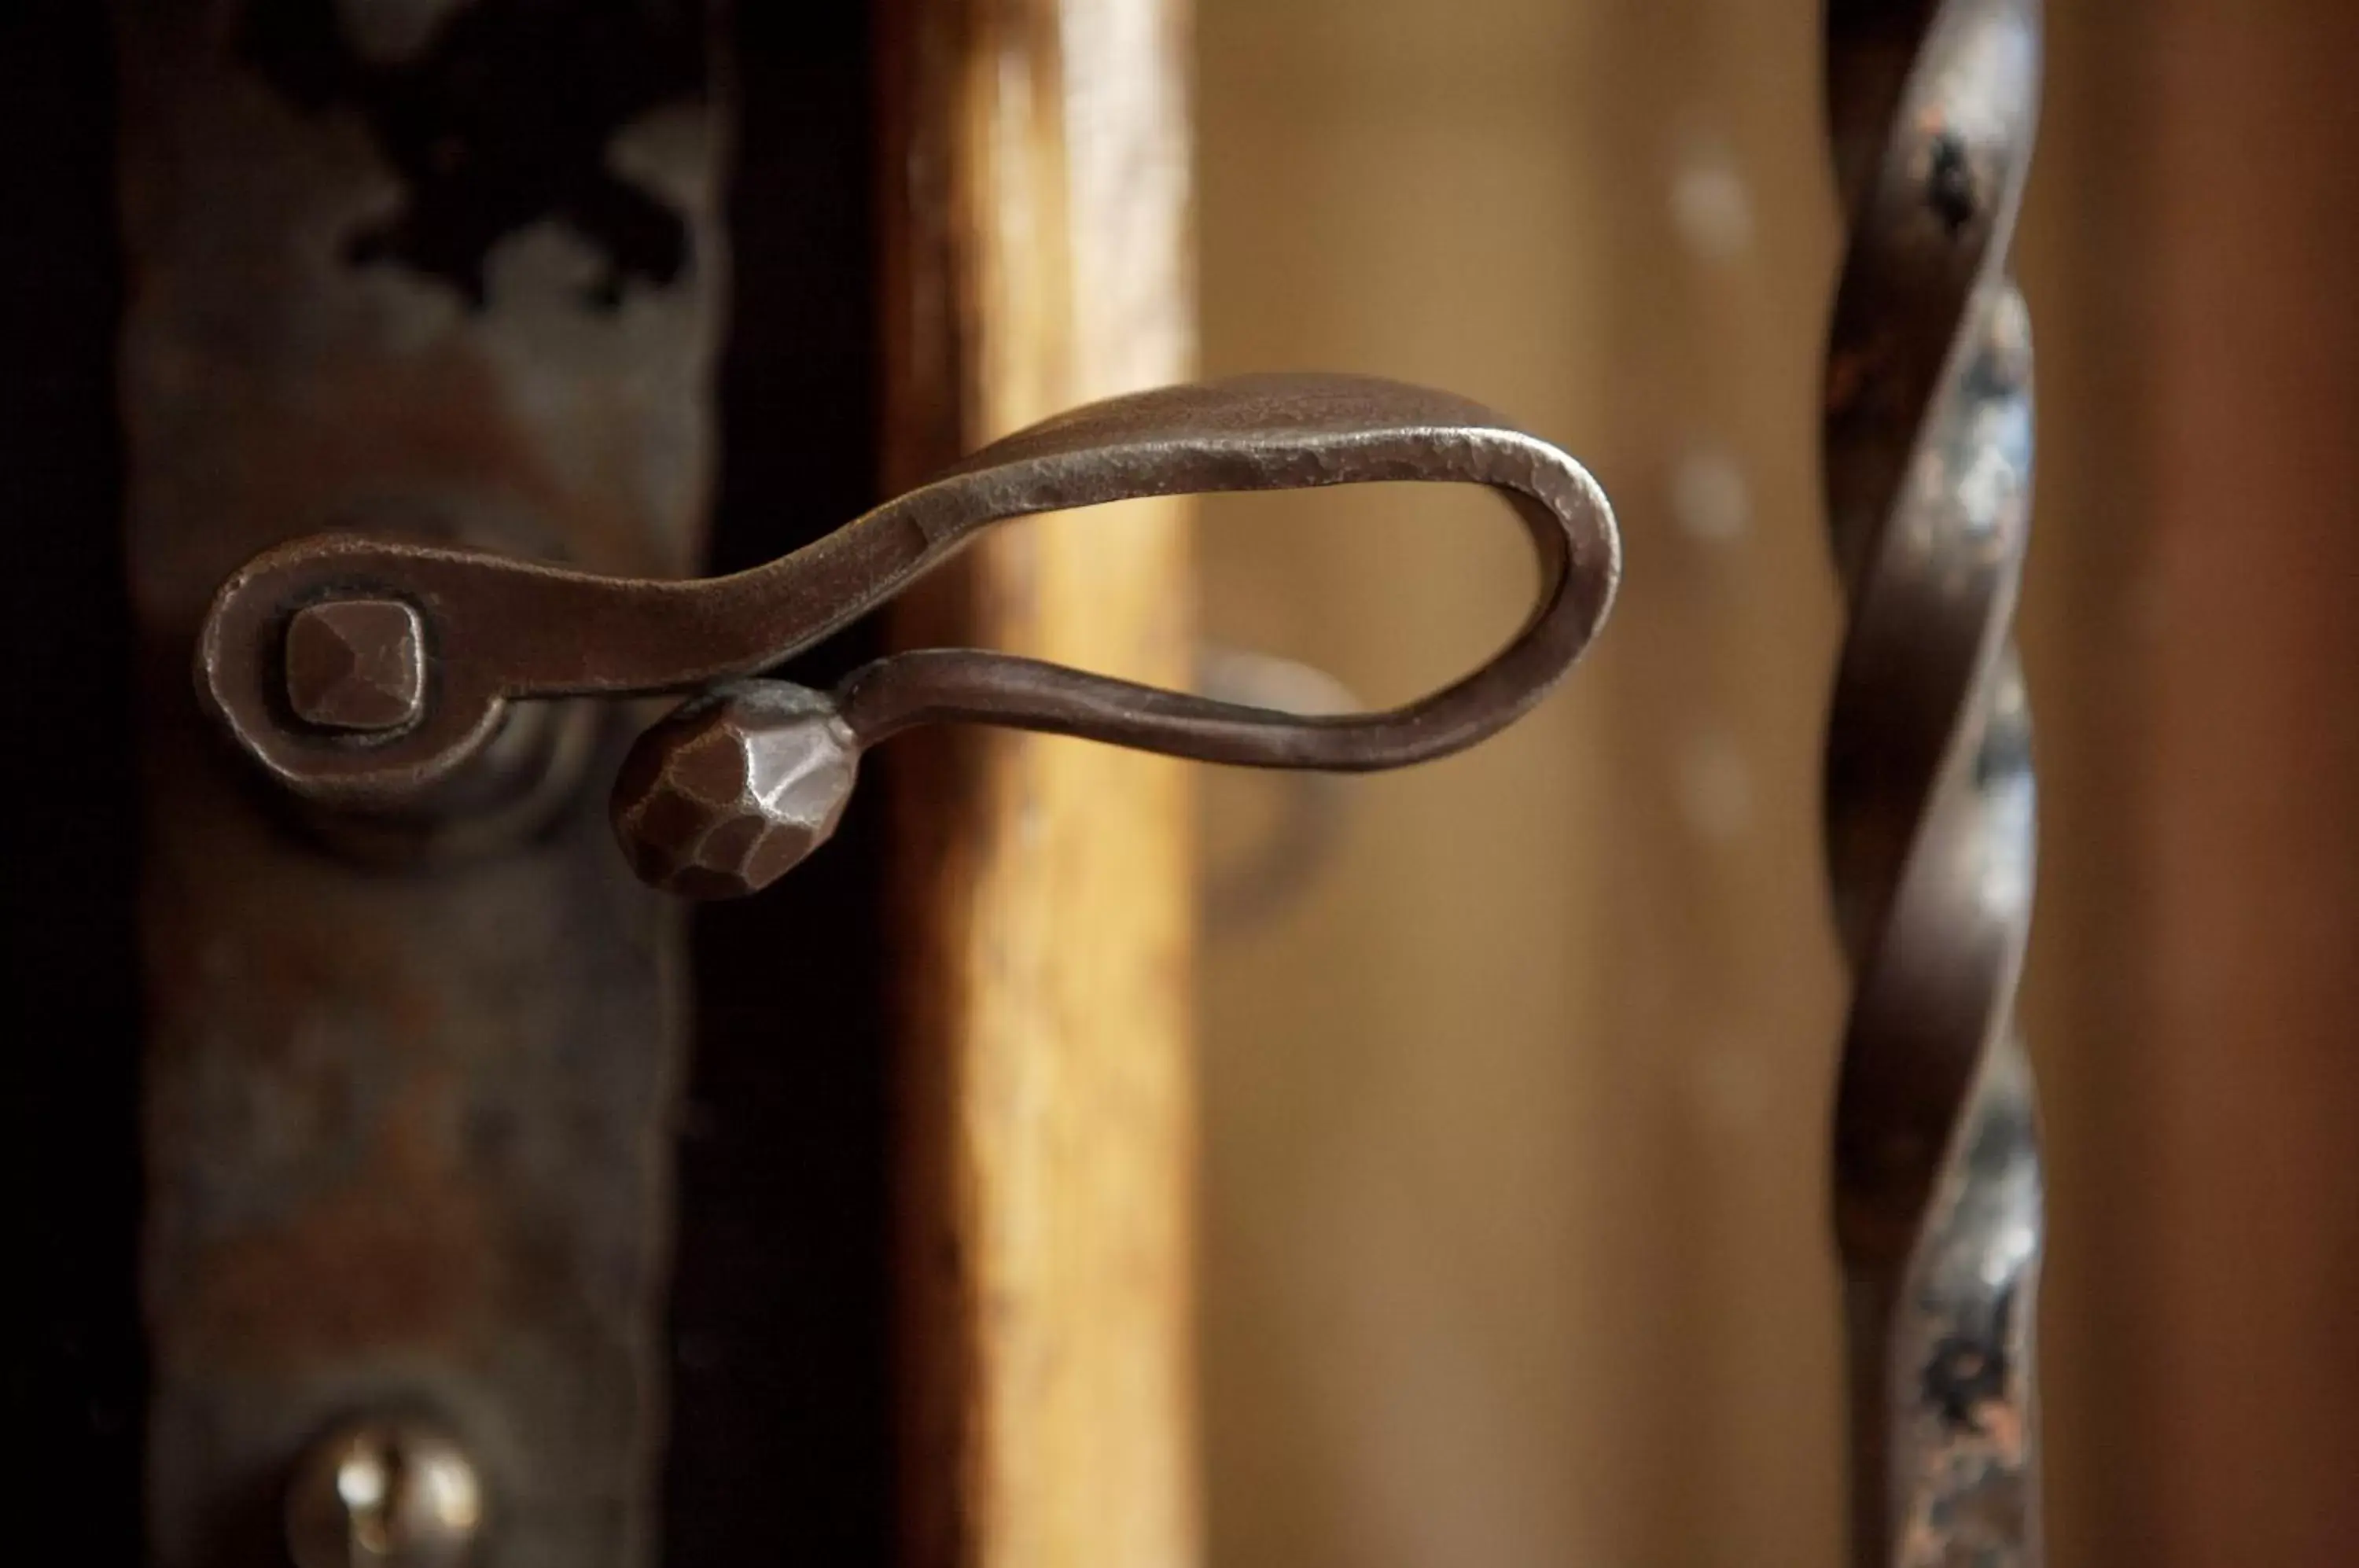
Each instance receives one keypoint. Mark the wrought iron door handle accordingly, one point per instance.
(358, 671)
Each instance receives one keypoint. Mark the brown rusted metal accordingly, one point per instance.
(356, 664)
(407, 1133)
(731, 791)
(1932, 806)
(692, 811)
(386, 1494)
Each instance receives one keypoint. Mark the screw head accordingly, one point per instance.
(735, 789)
(385, 1494)
(356, 664)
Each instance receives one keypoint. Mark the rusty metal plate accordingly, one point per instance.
(452, 269)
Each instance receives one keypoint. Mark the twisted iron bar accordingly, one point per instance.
(1929, 798)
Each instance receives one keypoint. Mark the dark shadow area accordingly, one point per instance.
(780, 1449)
(500, 118)
(74, 1369)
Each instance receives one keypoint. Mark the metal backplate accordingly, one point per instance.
(450, 269)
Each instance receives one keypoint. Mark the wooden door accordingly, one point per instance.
(848, 1223)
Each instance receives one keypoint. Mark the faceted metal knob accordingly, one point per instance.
(733, 788)
(356, 664)
(385, 1494)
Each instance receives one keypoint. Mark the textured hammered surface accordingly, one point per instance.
(735, 789)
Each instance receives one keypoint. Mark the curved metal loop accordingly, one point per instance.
(496, 629)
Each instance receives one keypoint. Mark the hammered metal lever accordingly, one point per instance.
(741, 782)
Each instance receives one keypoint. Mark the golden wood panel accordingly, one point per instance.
(1038, 218)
